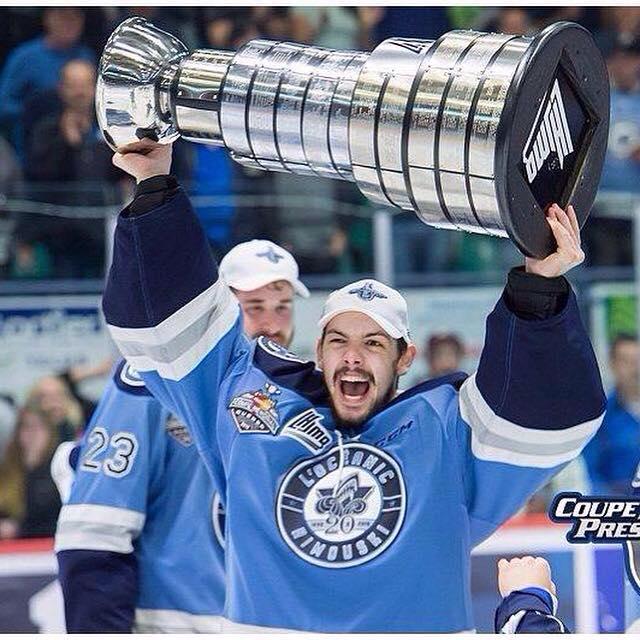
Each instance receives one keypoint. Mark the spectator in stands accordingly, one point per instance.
(74, 376)
(273, 22)
(30, 259)
(334, 27)
(10, 170)
(68, 147)
(10, 184)
(7, 421)
(443, 353)
(622, 163)
(68, 162)
(34, 66)
(513, 20)
(612, 455)
(51, 396)
(29, 501)
(412, 22)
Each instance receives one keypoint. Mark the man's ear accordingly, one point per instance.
(406, 359)
(319, 352)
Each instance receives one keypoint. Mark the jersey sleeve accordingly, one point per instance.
(533, 404)
(122, 449)
(171, 316)
(530, 610)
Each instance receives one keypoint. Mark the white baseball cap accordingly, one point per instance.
(381, 303)
(254, 264)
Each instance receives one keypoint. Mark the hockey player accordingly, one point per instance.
(349, 509)
(135, 541)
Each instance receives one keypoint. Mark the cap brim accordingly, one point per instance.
(384, 324)
(257, 281)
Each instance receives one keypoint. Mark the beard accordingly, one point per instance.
(344, 424)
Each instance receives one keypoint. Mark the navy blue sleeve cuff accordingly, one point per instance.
(530, 599)
(534, 297)
(151, 193)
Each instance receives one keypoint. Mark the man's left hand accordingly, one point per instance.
(568, 254)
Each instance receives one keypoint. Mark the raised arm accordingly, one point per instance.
(170, 315)
(537, 396)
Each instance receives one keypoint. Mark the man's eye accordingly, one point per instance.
(374, 343)
(336, 340)
(253, 310)
(284, 308)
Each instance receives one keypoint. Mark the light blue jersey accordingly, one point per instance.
(343, 531)
(138, 528)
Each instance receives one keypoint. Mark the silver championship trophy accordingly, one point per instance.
(473, 131)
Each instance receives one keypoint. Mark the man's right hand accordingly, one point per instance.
(156, 161)
(519, 573)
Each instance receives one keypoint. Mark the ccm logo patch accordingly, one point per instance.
(307, 429)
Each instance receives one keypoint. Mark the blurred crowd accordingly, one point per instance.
(51, 150)
(54, 411)
(52, 158)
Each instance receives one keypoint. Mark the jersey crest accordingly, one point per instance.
(255, 411)
(342, 508)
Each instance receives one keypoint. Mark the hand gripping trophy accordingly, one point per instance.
(473, 131)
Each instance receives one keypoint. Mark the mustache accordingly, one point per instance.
(356, 372)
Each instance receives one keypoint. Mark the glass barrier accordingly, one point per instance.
(62, 233)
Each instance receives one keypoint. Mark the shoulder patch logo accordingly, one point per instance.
(307, 429)
(255, 411)
(130, 376)
(277, 350)
(342, 508)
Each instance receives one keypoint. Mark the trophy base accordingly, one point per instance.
(552, 141)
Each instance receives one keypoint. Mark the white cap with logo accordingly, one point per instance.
(254, 264)
(381, 303)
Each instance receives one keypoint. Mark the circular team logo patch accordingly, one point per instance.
(337, 515)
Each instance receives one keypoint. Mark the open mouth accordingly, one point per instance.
(354, 388)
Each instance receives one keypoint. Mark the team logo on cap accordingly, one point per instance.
(178, 431)
(255, 411)
(270, 255)
(366, 292)
(342, 508)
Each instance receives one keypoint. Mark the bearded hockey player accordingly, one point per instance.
(140, 538)
(350, 508)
